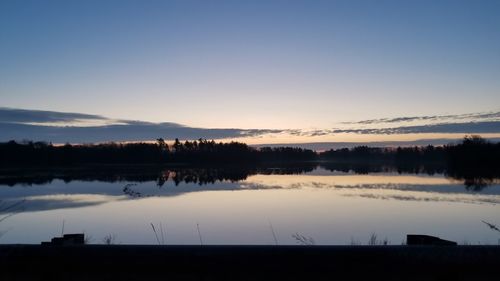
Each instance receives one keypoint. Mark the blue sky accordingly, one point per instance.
(251, 64)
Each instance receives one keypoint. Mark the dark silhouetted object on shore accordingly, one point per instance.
(67, 240)
(419, 239)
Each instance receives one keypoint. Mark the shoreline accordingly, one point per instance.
(217, 262)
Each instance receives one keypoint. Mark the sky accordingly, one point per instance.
(281, 67)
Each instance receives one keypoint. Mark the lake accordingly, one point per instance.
(266, 206)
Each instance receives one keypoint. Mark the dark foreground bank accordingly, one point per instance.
(127, 262)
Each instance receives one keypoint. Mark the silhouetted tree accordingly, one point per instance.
(474, 160)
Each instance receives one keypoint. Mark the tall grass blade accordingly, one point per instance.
(199, 233)
(162, 237)
(156, 235)
(274, 234)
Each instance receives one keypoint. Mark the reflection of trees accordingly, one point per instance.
(477, 184)
(474, 161)
(366, 168)
(102, 173)
(203, 176)
(160, 175)
(207, 176)
(473, 179)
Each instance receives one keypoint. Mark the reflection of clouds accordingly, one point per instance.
(449, 189)
(320, 185)
(349, 179)
(61, 201)
(77, 195)
(170, 189)
(258, 186)
(403, 192)
(73, 197)
(58, 194)
(431, 197)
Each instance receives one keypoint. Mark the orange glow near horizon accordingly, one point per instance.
(345, 137)
(288, 139)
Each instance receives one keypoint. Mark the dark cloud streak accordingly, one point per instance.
(11, 115)
(15, 125)
(21, 124)
(458, 128)
(126, 132)
(473, 116)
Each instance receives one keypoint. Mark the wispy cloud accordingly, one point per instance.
(13, 115)
(445, 128)
(61, 127)
(470, 123)
(18, 124)
(483, 116)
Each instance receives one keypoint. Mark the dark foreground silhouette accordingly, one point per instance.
(138, 262)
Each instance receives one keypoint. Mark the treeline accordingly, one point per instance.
(427, 154)
(472, 154)
(474, 160)
(189, 152)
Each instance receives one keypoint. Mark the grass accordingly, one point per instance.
(88, 239)
(274, 234)
(199, 233)
(304, 240)
(354, 242)
(162, 241)
(109, 239)
(492, 226)
(10, 209)
(373, 240)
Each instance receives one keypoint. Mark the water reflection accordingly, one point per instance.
(72, 188)
(371, 167)
(331, 203)
(472, 180)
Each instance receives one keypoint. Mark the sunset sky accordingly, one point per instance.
(269, 71)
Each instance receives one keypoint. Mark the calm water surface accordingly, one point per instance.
(244, 208)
